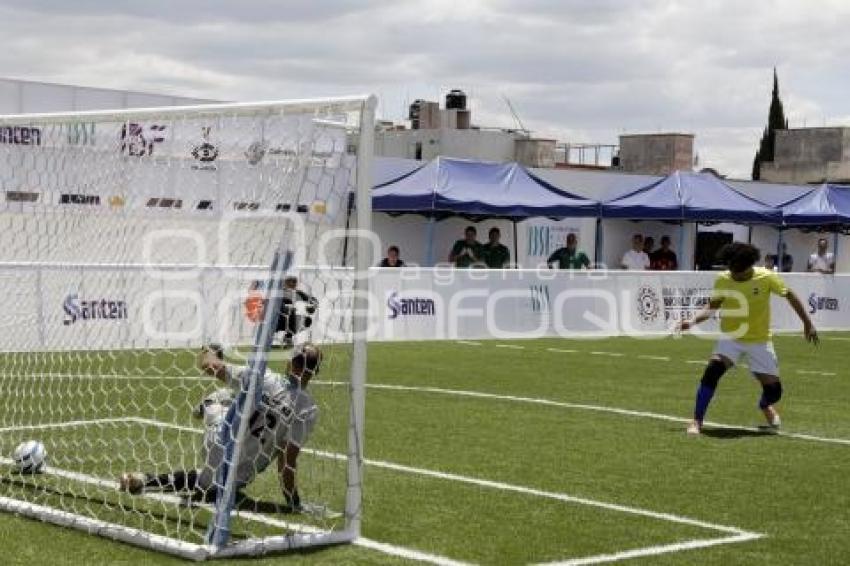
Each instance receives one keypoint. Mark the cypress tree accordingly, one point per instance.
(775, 121)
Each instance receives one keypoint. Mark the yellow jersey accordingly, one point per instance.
(745, 308)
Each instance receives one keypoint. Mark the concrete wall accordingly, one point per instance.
(486, 145)
(656, 154)
(21, 97)
(809, 155)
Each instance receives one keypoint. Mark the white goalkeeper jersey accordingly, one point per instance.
(286, 414)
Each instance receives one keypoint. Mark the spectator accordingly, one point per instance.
(392, 259)
(770, 262)
(787, 261)
(648, 245)
(635, 258)
(495, 254)
(822, 261)
(466, 252)
(569, 257)
(663, 259)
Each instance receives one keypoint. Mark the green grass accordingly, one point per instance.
(795, 492)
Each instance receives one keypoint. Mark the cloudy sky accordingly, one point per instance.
(577, 70)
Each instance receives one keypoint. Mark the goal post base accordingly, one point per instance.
(168, 545)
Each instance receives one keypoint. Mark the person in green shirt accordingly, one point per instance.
(569, 257)
(494, 253)
(466, 252)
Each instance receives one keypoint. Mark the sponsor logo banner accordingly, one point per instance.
(139, 140)
(20, 135)
(401, 306)
(77, 310)
(820, 303)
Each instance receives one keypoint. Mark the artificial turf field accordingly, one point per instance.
(512, 452)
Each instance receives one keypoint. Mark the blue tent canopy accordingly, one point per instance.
(823, 205)
(686, 196)
(475, 188)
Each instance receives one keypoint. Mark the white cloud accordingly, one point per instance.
(584, 70)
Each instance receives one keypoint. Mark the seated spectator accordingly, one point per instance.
(494, 253)
(663, 259)
(648, 245)
(569, 257)
(822, 261)
(635, 258)
(392, 259)
(466, 252)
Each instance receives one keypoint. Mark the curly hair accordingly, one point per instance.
(739, 256)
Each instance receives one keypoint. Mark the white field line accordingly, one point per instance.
(469, 343)
(815, 372)
(655, 358)
(611, 354)
(595, 408)
(697, 362)
(656, 550)
(562, 350)
(739, 535)
(480, 395)
(510, 346)
(399, 551)
(66, 424)
(491, 484)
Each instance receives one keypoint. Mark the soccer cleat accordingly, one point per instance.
(132, 482)
(773, 420)
(695, 427)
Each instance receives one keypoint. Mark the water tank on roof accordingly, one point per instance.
(414, 113)
(456, 100)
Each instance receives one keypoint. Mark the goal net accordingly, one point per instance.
(184, 324)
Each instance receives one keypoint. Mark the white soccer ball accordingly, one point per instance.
(30, 457)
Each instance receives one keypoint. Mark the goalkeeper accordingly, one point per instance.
(743, 296)
(278, 428)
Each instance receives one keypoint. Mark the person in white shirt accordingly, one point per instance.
(635, 258)
(822, 261)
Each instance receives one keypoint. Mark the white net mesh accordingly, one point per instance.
(129, 241)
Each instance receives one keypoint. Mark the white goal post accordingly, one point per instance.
(131, 241)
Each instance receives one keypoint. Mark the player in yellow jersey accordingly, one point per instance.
(742, 294)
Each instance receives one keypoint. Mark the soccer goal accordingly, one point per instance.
(185, 321)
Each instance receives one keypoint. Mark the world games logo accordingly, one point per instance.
(409, 306)
(648, 304)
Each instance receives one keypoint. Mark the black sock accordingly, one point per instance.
(173, 481)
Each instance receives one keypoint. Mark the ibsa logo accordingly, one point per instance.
(822, 303)
(206, 152)
(409, 306)
(93, 309)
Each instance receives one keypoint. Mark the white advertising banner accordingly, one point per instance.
(90, 307)
(427, 304)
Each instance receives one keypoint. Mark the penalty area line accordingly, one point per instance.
(656, 550)
(378, 546)
(594, 408)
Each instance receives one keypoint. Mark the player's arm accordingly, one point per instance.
(713, 304)
(286, 465)
(809, 331)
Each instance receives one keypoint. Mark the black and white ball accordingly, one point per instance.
(30, 457)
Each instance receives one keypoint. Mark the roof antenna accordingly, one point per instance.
(514, 114)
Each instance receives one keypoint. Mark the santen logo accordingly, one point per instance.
(822, 303)
(409, 306)
(77, 309)
(20, 135)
